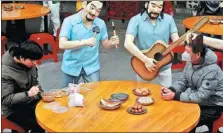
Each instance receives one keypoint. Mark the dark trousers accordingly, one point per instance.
(27, 120)
(16, 31)
(208, 115)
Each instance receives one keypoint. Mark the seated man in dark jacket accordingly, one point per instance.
(201, 82)
(20, 87)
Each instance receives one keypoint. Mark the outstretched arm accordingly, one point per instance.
(211, 42)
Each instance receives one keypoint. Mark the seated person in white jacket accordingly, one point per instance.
(201, 82)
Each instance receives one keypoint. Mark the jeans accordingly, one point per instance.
(66, 79)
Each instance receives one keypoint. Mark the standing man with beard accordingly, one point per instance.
(150, 25)
(80, 58)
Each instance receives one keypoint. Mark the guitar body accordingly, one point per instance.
(139, 66)
(162, 53)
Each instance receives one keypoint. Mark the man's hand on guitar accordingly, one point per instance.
(149, 63)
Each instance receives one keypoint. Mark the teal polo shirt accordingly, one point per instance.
(85, 57)
(146, 33)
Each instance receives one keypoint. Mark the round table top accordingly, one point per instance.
(208, 28)
(29, 11)
(162, 116)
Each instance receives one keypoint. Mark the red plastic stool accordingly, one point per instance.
(7, 124)
(218, 123)
(45, 38)
(178, 49)
(4, 43)
(220, 58)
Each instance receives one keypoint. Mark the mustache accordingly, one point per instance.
(155, 13)
(92, 14)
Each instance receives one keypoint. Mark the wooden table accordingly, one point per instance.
(207, 28)
(162, 116)
(29, 11)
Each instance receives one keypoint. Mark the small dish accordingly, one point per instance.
(19, 7)
(130, 111)
(141, 92)
(215, 21)
(145, 101)
(8, 8)
(110, 104)
(47, 97)
(58, 92)
(120, 96)
(109, 108)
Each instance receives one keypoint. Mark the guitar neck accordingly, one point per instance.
(176, 43)
(196, 27)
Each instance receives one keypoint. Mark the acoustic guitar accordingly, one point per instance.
(162, 53)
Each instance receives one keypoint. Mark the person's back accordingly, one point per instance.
(209, 8)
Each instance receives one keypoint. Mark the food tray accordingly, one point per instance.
(140, 94)
(120, 96)
(109, 108)
(145, 104)
(139, 113)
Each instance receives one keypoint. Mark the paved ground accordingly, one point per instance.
(115, 63)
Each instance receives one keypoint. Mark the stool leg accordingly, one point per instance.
(54, 54)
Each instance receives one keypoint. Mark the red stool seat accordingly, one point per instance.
(45, 38)
(218, 123)
(7, 124)
(178, 49)
(4, 43)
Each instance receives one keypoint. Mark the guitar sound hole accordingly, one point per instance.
(158, 56)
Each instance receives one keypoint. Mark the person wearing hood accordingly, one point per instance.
(20, 87)
(201, 82)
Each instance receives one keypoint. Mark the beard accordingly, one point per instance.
(89, 19)
(150, 14)
(152, 17)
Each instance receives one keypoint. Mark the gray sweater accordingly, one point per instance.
(202, 84)
(17, 79)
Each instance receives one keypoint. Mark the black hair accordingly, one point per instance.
(28, 50)
(145, 8)
(197, 45)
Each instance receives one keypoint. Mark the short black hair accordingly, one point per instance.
(145, 8)
(28, 50)
(197, 45)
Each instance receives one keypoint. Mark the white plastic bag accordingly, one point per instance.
(74, 88)
(76, 100)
